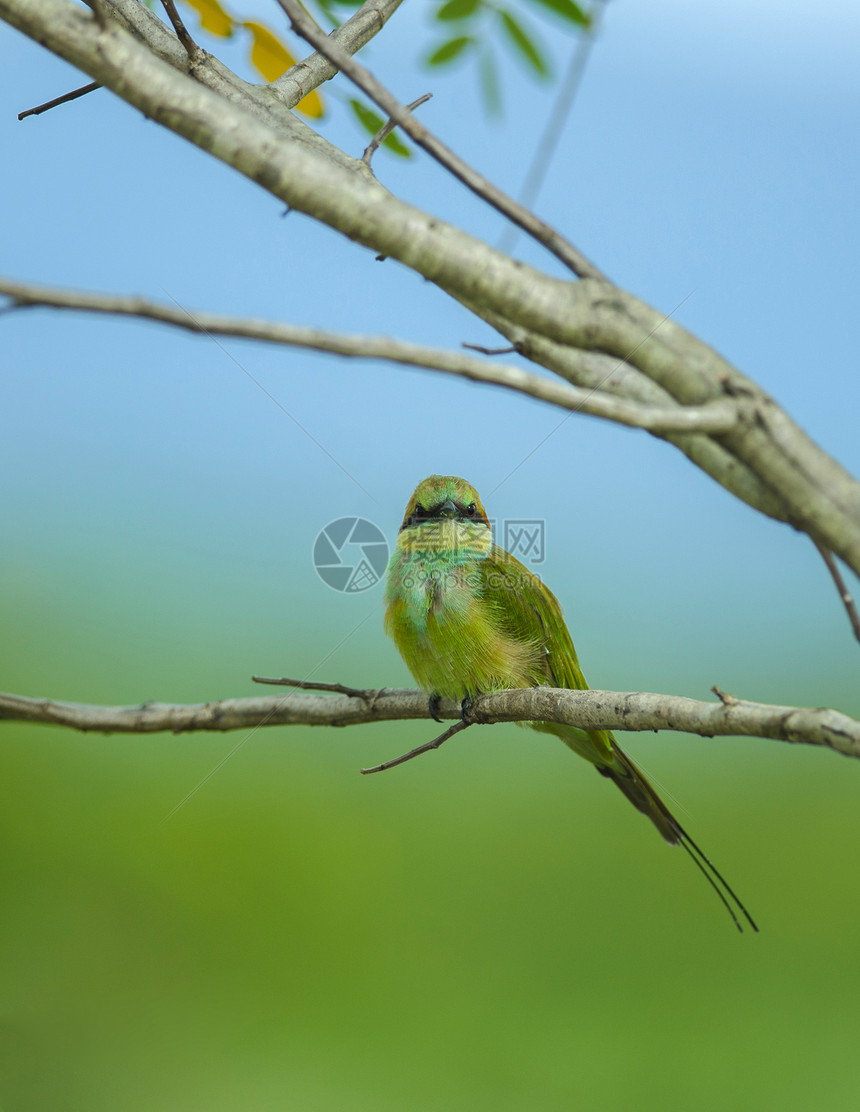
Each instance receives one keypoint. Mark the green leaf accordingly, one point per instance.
(568, 10)
(458, 9)
(369, 120)
(524, 44)
(396, 145)
(331, 10)
(448, 51)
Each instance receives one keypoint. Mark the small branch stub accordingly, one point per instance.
(725, 698)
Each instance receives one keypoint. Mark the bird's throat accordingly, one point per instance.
(445, 539)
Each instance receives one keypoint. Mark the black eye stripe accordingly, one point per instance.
(420, 515)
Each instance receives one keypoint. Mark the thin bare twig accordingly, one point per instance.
(315, 685)
(64, 99)
(387, 129)
(364, 79)
(846, 596)
(490, 351)
(191, 48)
(457, 728)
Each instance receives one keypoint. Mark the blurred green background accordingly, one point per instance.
(491, 926)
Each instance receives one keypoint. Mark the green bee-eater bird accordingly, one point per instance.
(468, 618)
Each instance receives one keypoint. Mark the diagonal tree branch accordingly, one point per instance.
(267, 103)
(344, 195)
(714, 417)
(291, 87)
(592, 710)
(350, 37)
(595, 370)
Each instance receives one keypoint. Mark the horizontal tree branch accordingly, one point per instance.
(593, 710)
(714, 417)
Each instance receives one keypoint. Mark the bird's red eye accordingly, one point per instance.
(471, 509)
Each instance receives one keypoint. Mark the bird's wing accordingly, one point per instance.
(527, 610)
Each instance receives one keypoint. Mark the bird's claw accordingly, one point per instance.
(467, 711)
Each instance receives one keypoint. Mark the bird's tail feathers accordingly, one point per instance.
(634, 784)
(603, 751)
